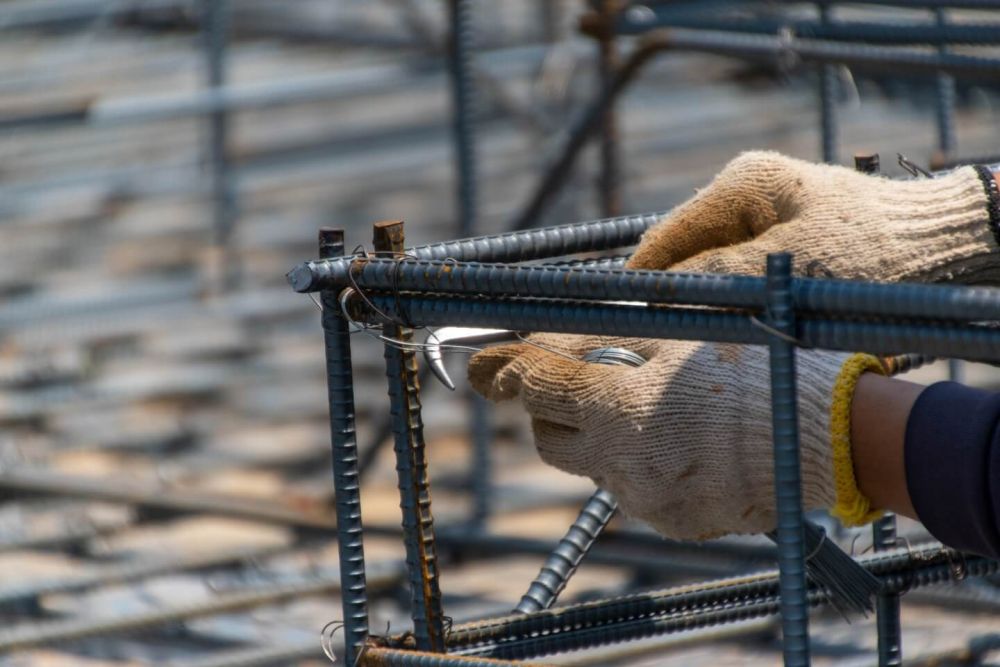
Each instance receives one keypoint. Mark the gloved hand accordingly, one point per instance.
(684, 441)
(837, 223)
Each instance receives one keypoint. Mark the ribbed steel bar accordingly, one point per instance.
(828, 88)
(787, 467)
(347, 490)
(818, 296)
(519, 246)
(607, 52)
(967, 342)
(687, 607)
(890, 644)
(387, 657)
(566, 557)
(411, 470)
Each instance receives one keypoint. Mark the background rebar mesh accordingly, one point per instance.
(164, 444)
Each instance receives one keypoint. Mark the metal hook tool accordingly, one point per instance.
(472, 336)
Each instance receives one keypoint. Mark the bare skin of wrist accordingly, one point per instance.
(879, 412)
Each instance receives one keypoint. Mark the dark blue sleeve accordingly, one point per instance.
(952, 459)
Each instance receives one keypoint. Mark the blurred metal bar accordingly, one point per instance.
(828, 89)
(28, 635)
(385, 657)
(465, 112)
(347, 490)
(215, 26)
(610, 175)
(411, 468)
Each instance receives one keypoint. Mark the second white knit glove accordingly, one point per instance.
(684, 441)
(836, 221)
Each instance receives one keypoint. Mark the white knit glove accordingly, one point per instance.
(837, 222)
(684, 441)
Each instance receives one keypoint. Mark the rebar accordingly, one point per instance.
(347, 490)
(465, 112)
(828, 89)
(411, 470)
(216, 16)
(971, 342)
(787, 475)
(586, 283)
(19, 637)
(890, 644)
(884, 33)
(607, 57)
(687, 607)
(566, 557)
(386, 657)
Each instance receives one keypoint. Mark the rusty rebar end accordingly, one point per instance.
(387, 235)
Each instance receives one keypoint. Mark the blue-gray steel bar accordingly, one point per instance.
(411, 471)
(216, 28)
(828, 88)
(464, 115)
(900, 60)
(787, 474)
(967, 342)
(387, 657)
(890, 644)
(347, 491)
(879, 32)
(820, 296)
(566, 557)
(559, 241)
(672, 610)
(607, 52)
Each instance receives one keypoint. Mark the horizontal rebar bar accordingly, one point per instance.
(387, 657)
(890, 337)
(632, 23)
(57, 632)
(646, 614)
(793, 49)
(833, 297)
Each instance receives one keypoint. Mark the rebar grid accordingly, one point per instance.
(574, 298)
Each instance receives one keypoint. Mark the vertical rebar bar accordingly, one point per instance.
(411, 469)
(828, 99)
(215, 26)
(464, 106)
(890, 645)
(610, 177)
(347, 491)
(947, 141)
(788, 491)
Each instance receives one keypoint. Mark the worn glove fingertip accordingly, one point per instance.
(490, 374)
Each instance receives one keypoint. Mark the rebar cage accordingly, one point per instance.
(475, 282)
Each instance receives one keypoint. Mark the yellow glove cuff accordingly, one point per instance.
(852, 507)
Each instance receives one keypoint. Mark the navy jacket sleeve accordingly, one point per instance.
(952, 459)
